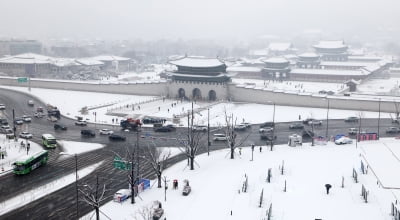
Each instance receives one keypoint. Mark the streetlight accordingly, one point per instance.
(379, 116)
(208, 132)
(327, 119)
(76, 180)
(273, 128)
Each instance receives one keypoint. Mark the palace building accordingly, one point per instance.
(198, 78)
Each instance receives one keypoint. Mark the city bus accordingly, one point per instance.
(26, 164)
(49, 141)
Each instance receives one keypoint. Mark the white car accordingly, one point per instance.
(2, 107)
(26, 118)
(38, 114)
(122, 195)
(220, 137)
(106, 131)
(81, 123)
(266, 130)
(31, 103)
(200, 128)
(25, 134)
(344, 140)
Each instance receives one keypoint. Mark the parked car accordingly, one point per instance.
(31, 103)
(26, 118)
(106, 131)
(202, 128)
(296, 126)
(351, 119)
(186, 190)
(60, 127)
(220, 137)
(392, 130)
(267, 124)
(353, 131)
(122, 195)
(18, 121)
(88, 133)
(81, 123)
(395, 120)
(343, 140)
(116, 137)
(165, 128)
(25, 135)
(266, 130)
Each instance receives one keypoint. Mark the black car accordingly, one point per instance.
(60, 127)
(166, 128)
(392, 130)
(267, 137)
(116, 137)
(88, 133)
(267, 124)
(148, 120)
(307, 133)
(296, 126)
(351, 119)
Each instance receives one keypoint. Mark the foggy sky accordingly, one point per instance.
(212, 19)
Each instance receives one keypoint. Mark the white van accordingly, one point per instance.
(220, 137)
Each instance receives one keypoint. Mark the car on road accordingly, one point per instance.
(52, 118)
(31, 103)
(351, 119)
(81, 123)
(26, 118)
(296, 126)
(5, 129)
(106, 131)
(343, 140)
(122, 195)
(307, 133)
(352, 131)
(202, 128)
(88, 133)
(267, 124)
(165, 128)
(18, 121)
(25, 135)
(247, 124)
(2, 107)
(266, 130)
(5, 126)
(116, 137)
(220, 137)
(38, 114)
(240, 127)
(268, 137)
(392, 130)
(311, 121)
(149, 120)
(60, 127)
(3, 121)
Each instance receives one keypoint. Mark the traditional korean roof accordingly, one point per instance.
(89, 62)
(280, 60)
(332, 44)
(27, 58)
(309, 55)
(330, 72)
(200, 62)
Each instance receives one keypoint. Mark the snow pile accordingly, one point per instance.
(73, 147)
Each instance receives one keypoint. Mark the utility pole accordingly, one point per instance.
(97, 207)
(14, 128)
(208, 132)
(137, 159)
(76, 185)
(132, 179)
(327, 121)
(273, 129)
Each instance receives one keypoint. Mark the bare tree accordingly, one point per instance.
(93, 196)
(156, 157)
(191, 141)
(231, 136)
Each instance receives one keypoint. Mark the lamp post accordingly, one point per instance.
(208, 132)
(273, 128)
(76, 180)
(379, 116)
(327, 120)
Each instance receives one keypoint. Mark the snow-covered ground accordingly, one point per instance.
(293, 86)
(73, 147)
(217, 185)
(13, 150)
(388, 86)
(157, 107)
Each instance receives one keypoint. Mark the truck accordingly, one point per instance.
(53, 111)
(131, 124)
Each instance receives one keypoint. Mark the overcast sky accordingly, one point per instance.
(212, 19)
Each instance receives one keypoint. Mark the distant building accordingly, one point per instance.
(280, 49)
(116, 63)
(332, 50)
(276, 68)
(206, 78)
(13, 47)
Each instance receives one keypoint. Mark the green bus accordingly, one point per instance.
(28, 163)
(49, 141)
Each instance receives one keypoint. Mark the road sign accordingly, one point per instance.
(121, 164)
(22, 80)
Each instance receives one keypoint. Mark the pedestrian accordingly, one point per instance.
(112, 120)
(116, 120)
(260, 149)
(299, 117)
(240, 151)
(138, 107)
(168, 110)
(159, 108)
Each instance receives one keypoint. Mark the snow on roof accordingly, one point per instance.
(357, 82)
(63, 62)
(27, 58)
(359, 72)
(338, 63)
(332, 44)
(110, 58)
(282, 46)
(276, 60)
(260, 52)
(197, 62)
(89, 62)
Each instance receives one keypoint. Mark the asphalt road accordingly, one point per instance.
(62, 203)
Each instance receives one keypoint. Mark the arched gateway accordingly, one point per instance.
(212, 95)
